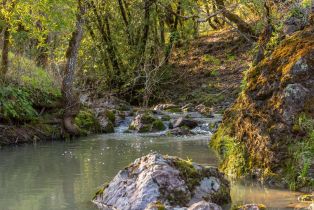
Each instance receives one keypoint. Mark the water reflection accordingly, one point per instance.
(64, 176)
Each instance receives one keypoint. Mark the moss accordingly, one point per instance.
(189, 173)
(178, 198)
(234, 161)
(248, 206)
(145, 129)
(100, 191)
(306, 198)
(147, 118)
(87, 121)
(165, 118)
(174, 110)
(159, 206)
(158, 125)
(110, 116)
(132, 127)
(301, 153)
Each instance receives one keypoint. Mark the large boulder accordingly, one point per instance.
(163, 182)
(270, 127)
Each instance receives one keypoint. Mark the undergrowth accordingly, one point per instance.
(302, 155)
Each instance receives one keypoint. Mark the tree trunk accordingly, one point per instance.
(147, 5)
(5, 52)
(242, 25)
(264, 37)
(42, 57)
(162, 31)
(173, 31)
(70, 98)
(126, 21)
(104, 30)
(211, 24)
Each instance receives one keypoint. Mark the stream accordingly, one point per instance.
(65, 175)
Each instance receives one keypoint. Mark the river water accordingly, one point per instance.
(65, 175)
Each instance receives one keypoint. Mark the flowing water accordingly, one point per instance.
(65, 175)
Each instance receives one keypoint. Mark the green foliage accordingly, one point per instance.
(302, 154)
(110, 116)
(211, 59)
(15, 104)
(26, 73)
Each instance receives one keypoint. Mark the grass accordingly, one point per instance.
(27, 88)
(26, 73)
(302, 154)
(212, 60)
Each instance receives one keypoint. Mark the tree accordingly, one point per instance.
(8, 6)
(70, 98)
(242, 25)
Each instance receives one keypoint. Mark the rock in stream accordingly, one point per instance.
(164, 182)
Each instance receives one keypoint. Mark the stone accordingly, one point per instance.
(181, 122)
(188, 108)
(203, 205)
(251, 207)
(204, 110)
(306, 198)
(294, 97)
(163, 107)
(143, 123)
(182, 131)
(164, 182)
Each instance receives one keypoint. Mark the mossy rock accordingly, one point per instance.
(249, 207)
(109, 128)
(158, 205)
(188, 172)
(147, 118)
(158, 125)
(165, 118)
(145, 129)
(87, 121)
(110, 116)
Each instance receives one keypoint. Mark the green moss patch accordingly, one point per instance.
(87, 122)
(158, 125)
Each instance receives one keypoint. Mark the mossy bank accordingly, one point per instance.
(268, 132)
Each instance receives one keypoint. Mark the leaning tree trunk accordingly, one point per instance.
(242, 25)
(265, 36)
(5, 52)
(70, 98)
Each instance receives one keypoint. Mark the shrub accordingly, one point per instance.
(15, 104)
